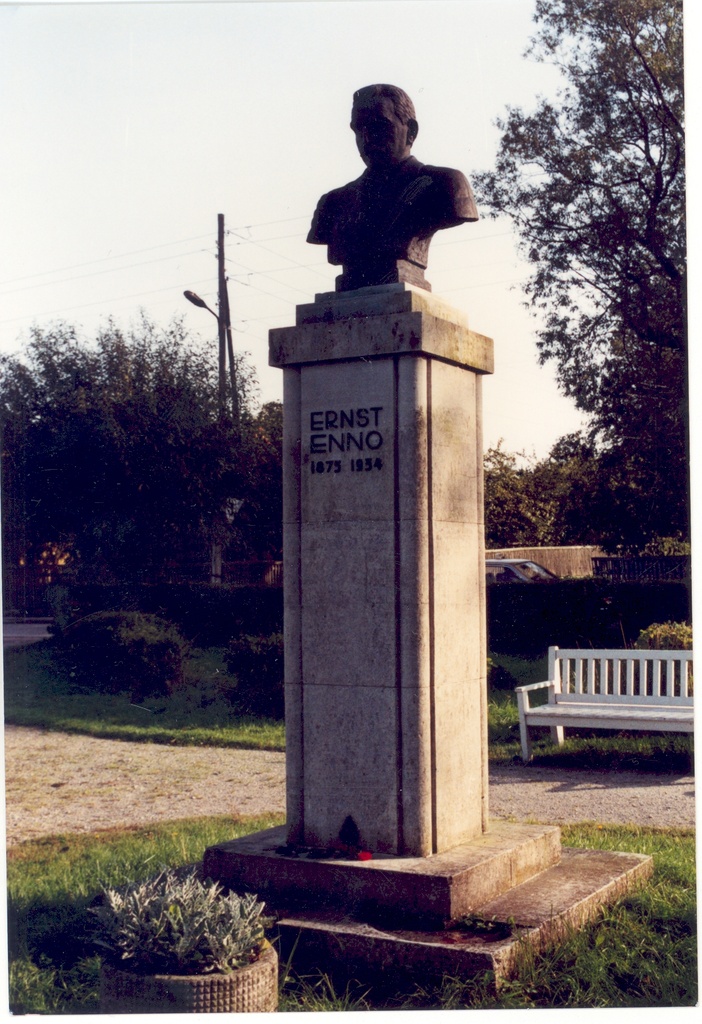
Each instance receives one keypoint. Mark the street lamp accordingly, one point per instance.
(216, 548)
(224, 328)
(197, 301)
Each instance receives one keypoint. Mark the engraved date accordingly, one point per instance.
(366, 465)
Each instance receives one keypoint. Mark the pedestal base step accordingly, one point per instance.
(430, 891)
(536, 912)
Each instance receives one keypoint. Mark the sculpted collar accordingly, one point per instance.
(379, 175)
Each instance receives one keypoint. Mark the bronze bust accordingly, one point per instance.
(378, 227)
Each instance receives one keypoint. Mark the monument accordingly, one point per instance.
(379, 227)
(385, 650)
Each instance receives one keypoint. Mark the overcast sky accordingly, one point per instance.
(129, 127)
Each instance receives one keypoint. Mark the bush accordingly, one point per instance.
(174, 924)
(665, 636)
(499, 678)
(257, 662)
(205, 614)
(110, 652)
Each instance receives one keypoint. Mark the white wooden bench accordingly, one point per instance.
(629, 690)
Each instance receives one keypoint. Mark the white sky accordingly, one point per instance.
(128, 127)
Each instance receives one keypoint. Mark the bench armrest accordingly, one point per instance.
(523, 693)
(533, 686)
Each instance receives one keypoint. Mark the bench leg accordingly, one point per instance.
(557, 734)
(526, 740)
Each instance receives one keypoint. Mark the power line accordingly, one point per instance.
(279, 254)
(104, 259)
(484, 284)
(99, 302)
(279, 270)
(163, 245)
(97, 273)
(182, 241)
(293, 265)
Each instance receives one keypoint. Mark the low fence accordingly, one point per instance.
(663, 567)
(251, 574)
(24, 588)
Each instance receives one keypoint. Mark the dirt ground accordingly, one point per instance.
(60, 783)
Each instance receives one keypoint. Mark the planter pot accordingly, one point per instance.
(250, 989)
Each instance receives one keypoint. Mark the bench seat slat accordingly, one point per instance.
(547, 714)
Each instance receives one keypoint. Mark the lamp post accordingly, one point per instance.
(197, 301)
(224, 331)
(216, 548)
(224, 328)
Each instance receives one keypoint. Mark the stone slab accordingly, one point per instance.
(359, 337)
(443, 887)
(380, 300)
(538, 912)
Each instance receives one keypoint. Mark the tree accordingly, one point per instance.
(514, 515)
(594, 184)
(539, 502)
(259, 524)
(115, 458)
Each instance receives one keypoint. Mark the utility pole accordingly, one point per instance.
(221, 327)
(225, 331)
(226, 344)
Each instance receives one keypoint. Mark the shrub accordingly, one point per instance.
(499, 678)
(206, 615)
(665, 547)
(115, 651)
(665, 636)
(175, 924)
(257, 662)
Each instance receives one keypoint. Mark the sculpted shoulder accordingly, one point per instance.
(455, 187)
(450, 198)
(329, 208)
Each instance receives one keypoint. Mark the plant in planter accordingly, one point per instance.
(175, 943)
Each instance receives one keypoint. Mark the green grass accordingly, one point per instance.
(524, 670)
(52, 881)
(36, 694)
(202, 715)
(641, 951)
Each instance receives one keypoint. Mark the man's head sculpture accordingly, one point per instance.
(379, 226)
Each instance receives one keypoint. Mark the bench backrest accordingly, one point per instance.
(628, 677)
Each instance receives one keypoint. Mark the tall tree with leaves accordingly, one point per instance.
(594, 183)
(259, 524)
(115, 455)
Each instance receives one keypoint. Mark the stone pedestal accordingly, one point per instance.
(403, 921)
(384, 571)
(385, 660)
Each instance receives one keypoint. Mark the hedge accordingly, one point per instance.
(527, 620)
(522, 619)
(206, 615)
(112, 652)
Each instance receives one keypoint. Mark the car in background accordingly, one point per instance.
(516, 570)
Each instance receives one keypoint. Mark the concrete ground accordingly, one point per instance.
(28, 631)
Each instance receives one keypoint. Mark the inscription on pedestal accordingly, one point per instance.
(346, 430)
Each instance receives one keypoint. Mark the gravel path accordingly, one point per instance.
(56, 782)
(557, 796)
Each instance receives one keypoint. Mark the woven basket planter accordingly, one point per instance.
(250, 989)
